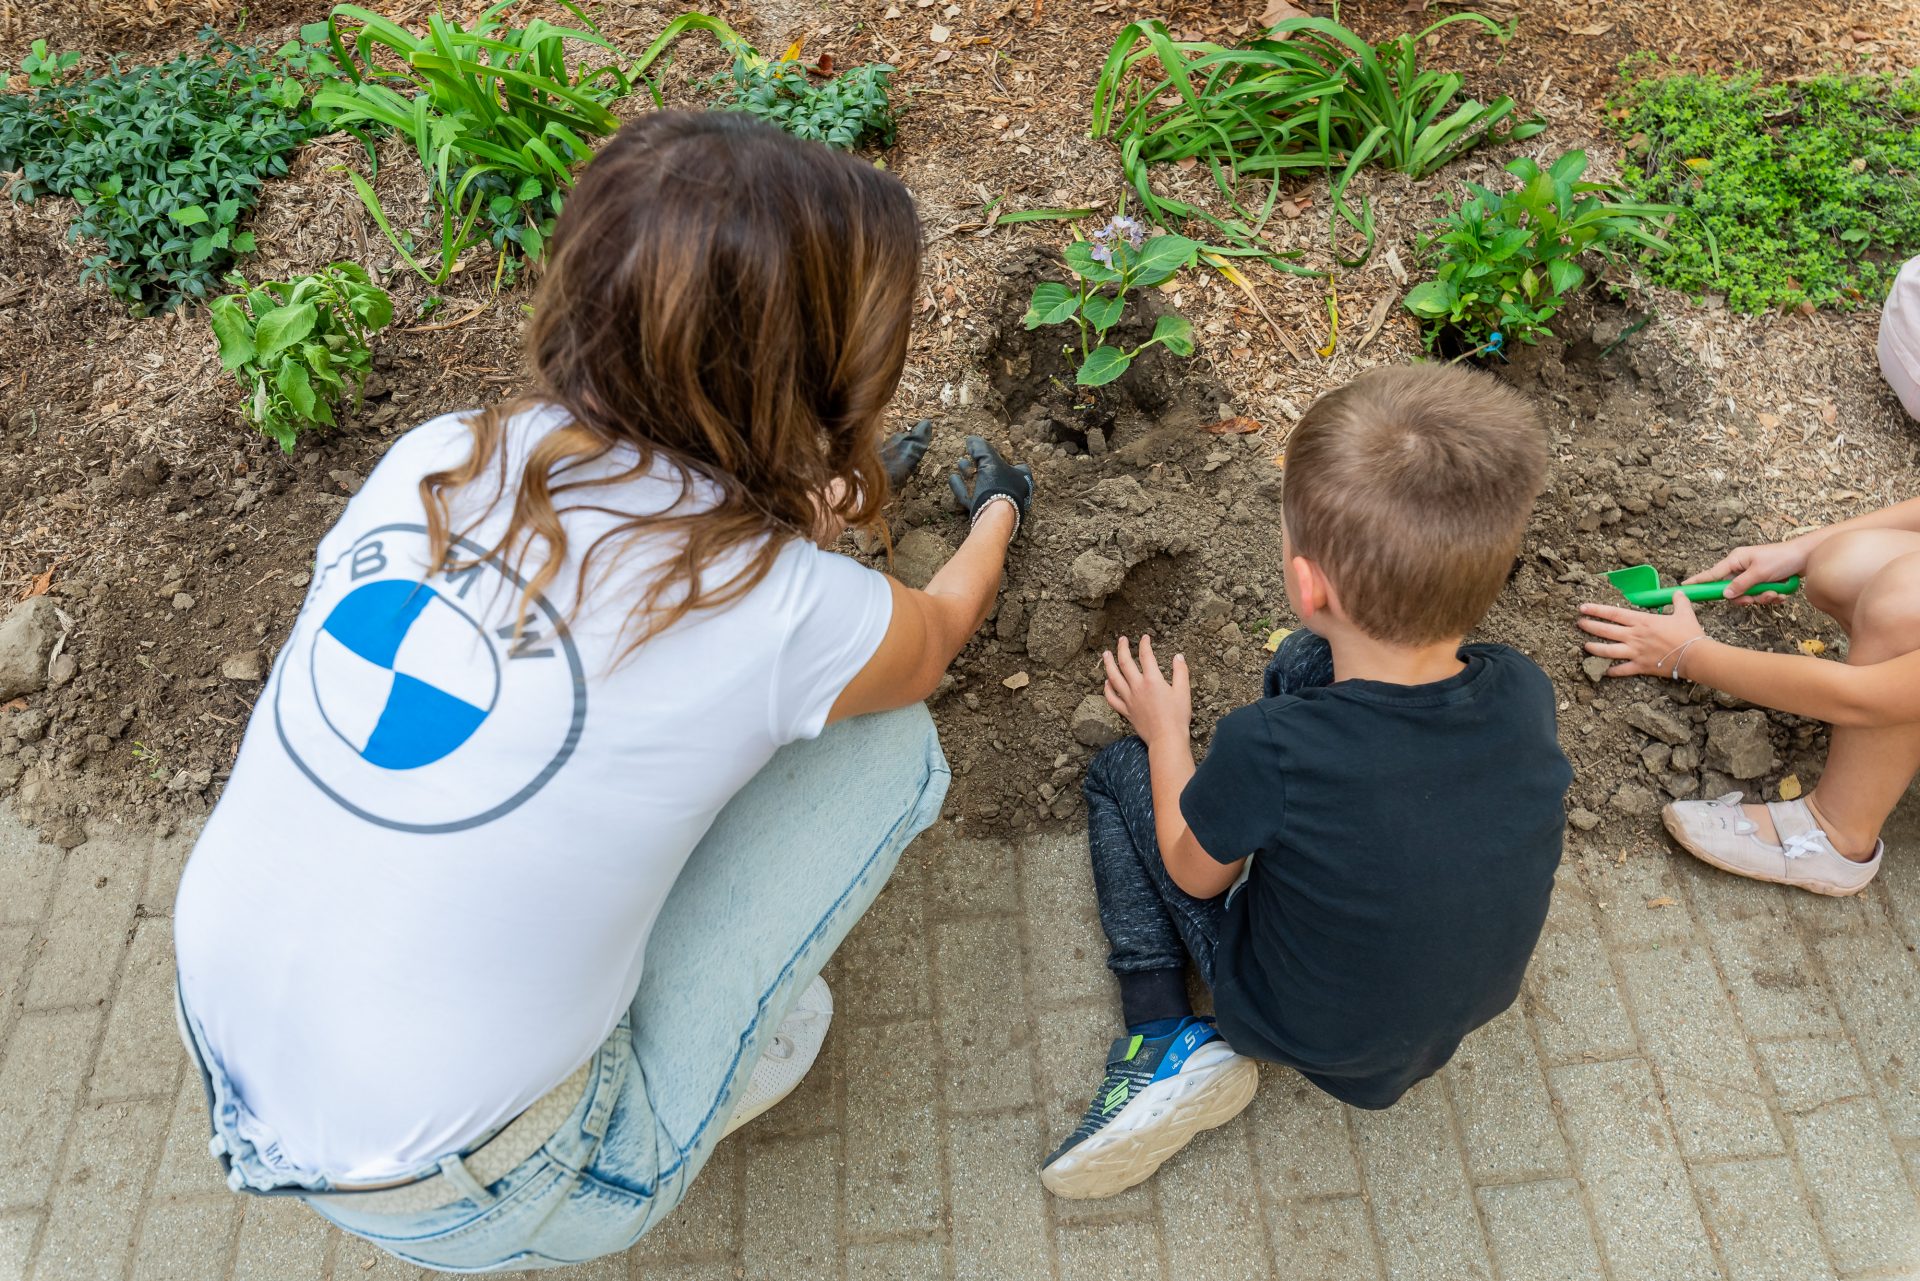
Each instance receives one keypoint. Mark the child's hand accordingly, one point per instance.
(1767, 563)
(1647, 644)
(1156, 709)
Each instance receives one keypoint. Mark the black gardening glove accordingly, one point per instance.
(900, 453)
(992, 477)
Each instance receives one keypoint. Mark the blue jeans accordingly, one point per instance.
(795, 858)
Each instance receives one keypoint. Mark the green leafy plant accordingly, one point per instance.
(497, 116)
(44, 67)
(1119, 257)
(846, 109)
(1805, 193)
(299, 346)
(164, 162)
(1308, 96)
(1505, 262)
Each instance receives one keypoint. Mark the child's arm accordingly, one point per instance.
(1772, 562)
(1162, 714)
(1885, 693)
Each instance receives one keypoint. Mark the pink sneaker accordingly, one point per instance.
(1718, 832)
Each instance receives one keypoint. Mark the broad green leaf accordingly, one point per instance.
(1175, 333)
(190, 215)
(231, 331)
(1052, 302)
(1103, 366)
(1161, 256)
(297, 387)
(1433, 300)
(1103, 312)
(1565, 275)
(284, 326)
(531, 241)
(1079, 259)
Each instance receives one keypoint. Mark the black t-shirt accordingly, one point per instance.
(1404, 840)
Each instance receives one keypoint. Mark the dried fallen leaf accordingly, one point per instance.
(1663, 901)
(1185, 162)
(41, 582)
(1277, 12)
(1279, 634)
(1280, 460)
(939, 34)
(1393, 265)
(1769, 421)
(1019, 680)
(1376, 318)
(17, 705)
(1790, 788)
(1813, 648)
(1591, 29)
(1236, 426)
(1829, 414)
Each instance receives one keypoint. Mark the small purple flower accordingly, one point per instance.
(1101, 252)
(1135, 233)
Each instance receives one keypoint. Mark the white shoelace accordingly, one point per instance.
(1813, 842)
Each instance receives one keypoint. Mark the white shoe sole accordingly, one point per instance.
(773, 1079)
(1828, 888)
(1214, 1087)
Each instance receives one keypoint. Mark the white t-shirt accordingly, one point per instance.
(425, 896)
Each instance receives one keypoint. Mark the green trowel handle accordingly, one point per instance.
(1655, 597)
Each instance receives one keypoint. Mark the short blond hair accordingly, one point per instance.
(1411, 487)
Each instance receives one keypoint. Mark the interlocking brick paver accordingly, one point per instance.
(1764, 1229)
(187, 1240)
(1500, 1096)
(895, 1261)
(17, 1230)
(167, 860)
(45, 1057)
(1640, 901)
(1630, 1165)
(1323, 1241)
(1571, 999)
(1688, 1028)
(789, 1221)
(1539, 1231)
(141, 1054)
(880, 972)
(1209, 1194)
(973, 876)
(1774, 985)
(280, 1240)
(1861, 1197)
(1300, 1139)
(90, 1226)
(705, 1270)
(29, 870)
(1875, 979)
(998, 1211)
(1417, 1181)
(86, 930)
(1069, 961)
(187, 1169)
(984, 1029)
(15, 940)
(892, 1139)
(707, 1220)
(1089, 1253)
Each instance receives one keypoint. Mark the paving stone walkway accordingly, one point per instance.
(1705, 1078)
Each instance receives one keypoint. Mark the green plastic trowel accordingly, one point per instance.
(1641, 586)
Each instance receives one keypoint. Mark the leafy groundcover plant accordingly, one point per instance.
(164, 162)
(1806, 193)
(1309, 96)
(299, 347)
(497, 116)
(845, 109)
(1120, 257)
(1505, 262)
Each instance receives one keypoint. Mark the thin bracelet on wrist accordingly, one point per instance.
(981, 510)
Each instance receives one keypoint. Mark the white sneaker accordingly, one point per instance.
(1720, 833)
(788, 1055)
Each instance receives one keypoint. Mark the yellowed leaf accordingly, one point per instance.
(1790, 788)
(40, 585)
(793, 51)
(1273, 639)
(1812, 648)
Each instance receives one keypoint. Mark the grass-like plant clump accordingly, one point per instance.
(1309, 96)
(498, 117)
(1505, 262)
(163, 161)
(299, 347)
(1805, 193)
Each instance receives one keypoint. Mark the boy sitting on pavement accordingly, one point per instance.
(1360, 868)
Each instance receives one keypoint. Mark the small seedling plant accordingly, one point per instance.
(1119, 257)
(299, 347)
(845, 109)
(1504, 263)
(164, 162)
(44, 68)
(1310, 96)
(1805, 194)
(498, 117)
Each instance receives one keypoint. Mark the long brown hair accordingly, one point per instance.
(728, 298)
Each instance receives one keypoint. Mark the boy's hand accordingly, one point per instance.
(1646, 644)
(1156, 708)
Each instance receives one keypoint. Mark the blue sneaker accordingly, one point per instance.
(1158, 1093)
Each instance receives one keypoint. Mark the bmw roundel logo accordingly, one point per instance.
(403, 706)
